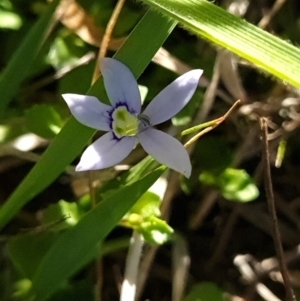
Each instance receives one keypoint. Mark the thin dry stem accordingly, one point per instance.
(264, 22)
(210, 93)
(290, 296)
(242, 262)
(107, 36)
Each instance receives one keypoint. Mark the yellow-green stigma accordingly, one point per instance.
(124, 123)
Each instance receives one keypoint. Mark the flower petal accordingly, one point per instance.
(89, 111)
(166, 150)
(105, 152)
(173, 98)
(120, 84)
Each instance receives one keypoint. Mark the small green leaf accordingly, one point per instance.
(147, 205)
(44, 121)
(9, 20)
(155, 230)
(234, 184)
(281, 152)
(61, 215)
(21, 289)
(237, 185)
(144, 218)
(66, 50)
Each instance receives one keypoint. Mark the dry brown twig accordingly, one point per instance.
(242, 262)
(74, 17)
(290, 296)
(107, 36)
(264, 22)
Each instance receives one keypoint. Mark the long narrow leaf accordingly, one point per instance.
(21, 62)
(69, 252)
(266, 51)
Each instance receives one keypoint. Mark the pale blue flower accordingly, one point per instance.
(125, 123)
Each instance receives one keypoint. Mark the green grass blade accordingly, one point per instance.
(69, 252)
(21, 62)
(266, 51)
(151, 32)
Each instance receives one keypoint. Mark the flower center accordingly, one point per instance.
(124, 123)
